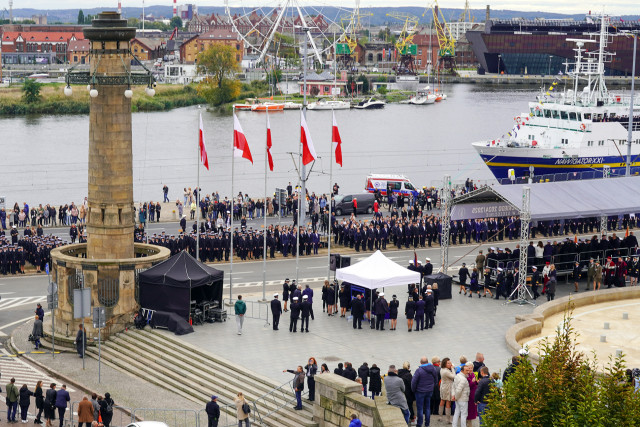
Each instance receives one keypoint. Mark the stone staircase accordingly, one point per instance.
(196, 375)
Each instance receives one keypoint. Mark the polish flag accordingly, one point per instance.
(336, 140)
(240, 144)
(203, 148)
(308, 152)
(269, 144)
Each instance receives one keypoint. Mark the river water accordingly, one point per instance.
(44, 158)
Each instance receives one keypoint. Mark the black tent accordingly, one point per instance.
(172, 285)
(444, 284)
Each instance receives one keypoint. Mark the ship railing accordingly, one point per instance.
(570, 176)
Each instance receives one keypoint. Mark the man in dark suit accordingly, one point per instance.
(429, 309)
(276, 311)
(357, 311)
(381, 308)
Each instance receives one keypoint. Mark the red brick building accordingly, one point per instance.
(37, 47)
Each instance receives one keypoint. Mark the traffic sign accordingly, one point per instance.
(81, 303)
(99, 317)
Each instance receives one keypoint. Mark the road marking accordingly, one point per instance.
(275, 282)
(7, 293)
(13, 367)
(6, 303)
(17, 322)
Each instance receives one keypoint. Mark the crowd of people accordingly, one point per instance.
(455, 393)
(97, 412)
(16, 251)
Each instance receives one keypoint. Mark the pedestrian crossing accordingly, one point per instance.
(7, 303)
(13, 367)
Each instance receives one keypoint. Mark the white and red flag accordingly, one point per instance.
(269, 144)
(308, 151)
(240, 144)
(203, 148)
(336, 140)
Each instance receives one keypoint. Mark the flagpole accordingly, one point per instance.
(198, 202)
(264, 203)
(233, 203)
(198, 197)
(330, 195)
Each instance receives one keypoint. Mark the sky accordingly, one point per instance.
(614, 7)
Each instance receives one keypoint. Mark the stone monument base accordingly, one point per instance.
(113, 285)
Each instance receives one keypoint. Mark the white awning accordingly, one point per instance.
(377, 271)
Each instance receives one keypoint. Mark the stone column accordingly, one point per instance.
(110, 217)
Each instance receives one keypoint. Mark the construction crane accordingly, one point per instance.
(446, 42)
(465, 16)
(345, 55)
(405, 47)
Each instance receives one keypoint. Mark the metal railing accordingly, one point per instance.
(570, 176)
(255, 309)
(171, 417)
(121, 417)
(279, 397)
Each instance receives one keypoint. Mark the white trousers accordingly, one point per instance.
(462, 410)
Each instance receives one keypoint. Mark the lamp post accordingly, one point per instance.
(549, 72)
(498, 70)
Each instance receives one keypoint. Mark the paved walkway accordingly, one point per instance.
(464, 326)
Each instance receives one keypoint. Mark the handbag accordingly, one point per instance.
(246, 408)
(31, 338)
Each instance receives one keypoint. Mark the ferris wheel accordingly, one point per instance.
(277, 26)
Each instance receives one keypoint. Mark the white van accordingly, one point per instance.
(399, 184)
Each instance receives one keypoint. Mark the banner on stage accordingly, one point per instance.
(482, 210)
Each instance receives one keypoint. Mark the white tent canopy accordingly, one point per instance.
(377, 271)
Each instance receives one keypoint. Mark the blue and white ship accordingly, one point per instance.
(580, 129)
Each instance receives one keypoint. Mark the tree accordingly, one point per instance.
(81, 17)
(176, 22)
(218, 62)
(31, 91)
(565, 389)
(133, 22)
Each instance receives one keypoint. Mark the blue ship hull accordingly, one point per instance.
(575, 168)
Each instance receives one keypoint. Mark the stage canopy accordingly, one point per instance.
(174, 284)
(377, 271)
(553, 200)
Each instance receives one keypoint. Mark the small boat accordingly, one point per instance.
(422, 98)
(370, 104)
(290, 105)
(329, 104)
(267, 106)
(242, 106)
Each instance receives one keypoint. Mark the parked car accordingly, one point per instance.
(344, 203)
(148, 424)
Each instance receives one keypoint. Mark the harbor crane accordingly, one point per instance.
(407, 50)
(345, 49)
(446, 41)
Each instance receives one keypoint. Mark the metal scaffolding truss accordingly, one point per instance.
(446, 224)
(525, 219)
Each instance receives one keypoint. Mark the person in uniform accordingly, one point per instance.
(295, 315)
(410, 312)
(276, 311)
(305, 311)
(285, 293)
(393, 312)
(381, 308)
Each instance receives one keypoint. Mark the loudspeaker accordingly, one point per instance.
(334, 262)
(345, 261)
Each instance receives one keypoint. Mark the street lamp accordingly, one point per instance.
(549, 73)
(499, 57)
